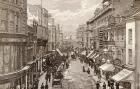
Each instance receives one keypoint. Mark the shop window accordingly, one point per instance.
(18, 58)
(7, 59)
(15, 58)
(12, 58)
(130, 36)
(130, 56)
(1, 59)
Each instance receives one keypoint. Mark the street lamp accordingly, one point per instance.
(105, 50)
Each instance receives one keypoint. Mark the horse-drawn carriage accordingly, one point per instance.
(57, 80)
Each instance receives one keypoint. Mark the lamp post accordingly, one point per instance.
(105, 50)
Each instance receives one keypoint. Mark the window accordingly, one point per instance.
(3, 14)
(6, 59)
(122, 36)
(3, 19)
(11, 20)
(130, 56)
(16, 22)
(130, 36)
(3, 25)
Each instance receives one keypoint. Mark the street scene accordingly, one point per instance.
(69, 44)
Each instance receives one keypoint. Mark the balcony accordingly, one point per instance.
(109, 42)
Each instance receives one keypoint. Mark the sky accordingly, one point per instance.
(69, 13)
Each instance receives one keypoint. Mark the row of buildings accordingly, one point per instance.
(27, 33)
(115, 28)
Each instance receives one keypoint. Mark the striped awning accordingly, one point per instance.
(91, 52)
(93, 55)
(122, 75)
(59, 52)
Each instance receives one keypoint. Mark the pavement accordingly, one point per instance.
(95, 77)
(75, 78)
(42, 80)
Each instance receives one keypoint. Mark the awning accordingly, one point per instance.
(97, 55)
(107, 67)
(31, 62)
(59, 52)
(26, 68)
(91, 52)
(83, 52)
(93, 55)
(122, 75)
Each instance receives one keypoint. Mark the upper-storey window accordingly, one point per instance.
(130, 36)
(3, 19)
(130, 56)
(11, 20)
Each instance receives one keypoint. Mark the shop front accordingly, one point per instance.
(15, 80)
(126, 79)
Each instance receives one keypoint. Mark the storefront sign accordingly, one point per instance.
(12, 40)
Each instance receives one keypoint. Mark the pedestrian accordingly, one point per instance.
(42, 86)
(88, 71)
(104, 86)
(112, 85)
(48, 77)
(83, 68)
(97, 85)
(99, 77)
(108, 82)
(117, 85)
(46, 86)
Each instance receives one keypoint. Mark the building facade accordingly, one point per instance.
(39, 15)
(108, 26)
(13, 40)
(55, 34)
(82, 35)
(112, 33)
(132, 47)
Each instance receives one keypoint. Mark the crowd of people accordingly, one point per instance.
(50, 67)
(110, 83)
